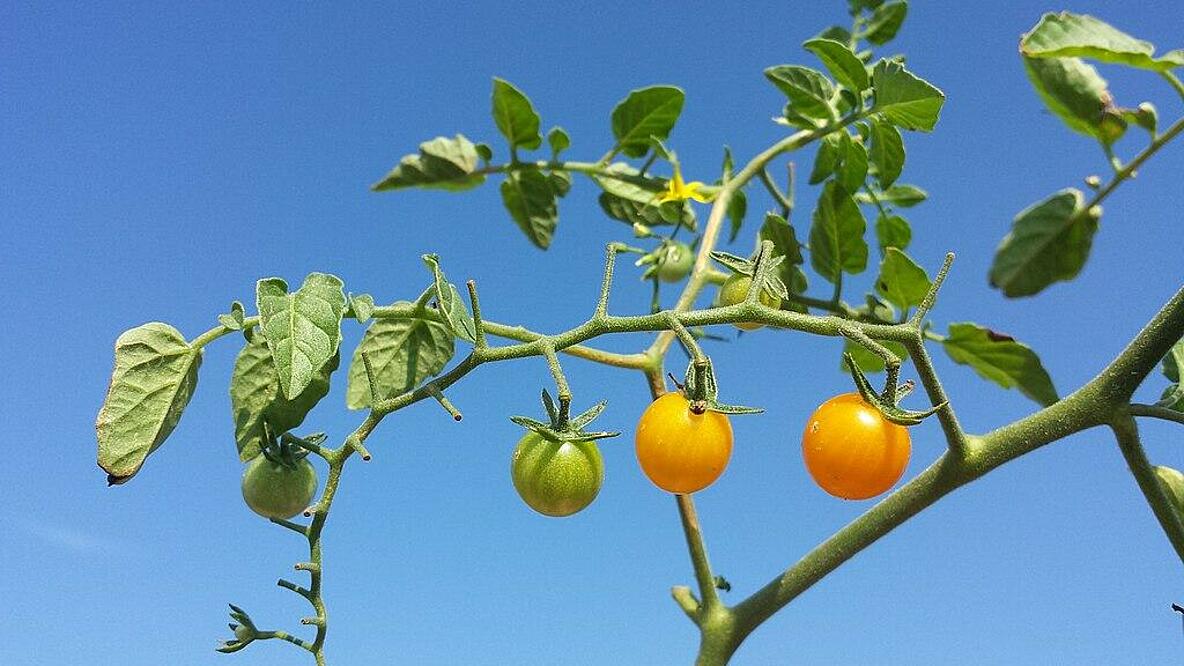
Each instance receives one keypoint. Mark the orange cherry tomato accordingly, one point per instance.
(851, 450)
(681, 451)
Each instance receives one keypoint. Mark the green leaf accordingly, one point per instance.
(1049, 242)
(905, 99)
(1066, 35)
(904, 196)
(887, 152)
(402, 352)
(1172, 482)
(828, 157)
(869, 361)
(853, 171)
(154, 378)
(901, 282)
(1000, 359)
(256, 399)
(809, 91)
(631, 198)
(560, 182)
(559, 141)
(840, 61)
(644, 113)
(530, 199)
(362, 307)
(893, 231)
(442, 163)
(886, 21)
(737, 209)
(233, 320)
(836, 33)
(1073, 90)
(836, 235)
(484, 151)
(452, 309)
(785, 244)
(1173, 361)
(515, 116)
(303, 329)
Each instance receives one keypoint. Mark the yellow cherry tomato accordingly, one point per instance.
(681, 451)
(851, 450)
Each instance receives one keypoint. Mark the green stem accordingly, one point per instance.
(1157, 412)
(1127, 172)
(1175, 82)
(775, 192)
(1127, 432)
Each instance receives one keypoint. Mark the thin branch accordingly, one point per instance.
(1127, 432)
(478, 323)
(1156, 412)
(782, 200)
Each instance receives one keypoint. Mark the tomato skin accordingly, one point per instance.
(275, 490)
(676, 261)
(556, 478)
(680, 451)
(735, 289)
(852, 451)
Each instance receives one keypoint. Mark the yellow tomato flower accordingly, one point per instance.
(677, 190)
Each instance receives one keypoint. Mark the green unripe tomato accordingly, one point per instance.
(735, 289)
(1172, 482)
(675, 261)
(556, 478)
(276, 490)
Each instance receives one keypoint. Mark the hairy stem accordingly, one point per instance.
(1127, 432)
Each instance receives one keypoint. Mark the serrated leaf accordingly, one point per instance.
(1049, 242)
(1066, 35)
(836, 235)
(303, 329)
(154, 377)
(887, 151)
(828, 158)
(840, 61)
(809, 91)
(1000, 359)
(901, 281)
(905, 99)
(362, 306)
(402, 352)
(885, 22)
(893, 231)
(646, 112)
(453, 311)
(559, 141)
(785, 244)
(515, 116)
(528, 196)
(442, 163)
(256, 398)
(853, 170)
(868, 361)
(1074, 91)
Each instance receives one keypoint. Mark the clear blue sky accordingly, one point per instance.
(157, 161)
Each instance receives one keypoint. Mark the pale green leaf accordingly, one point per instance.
(154, 378)
(528, 196)
(901, 281)
(905, 99)
(453, 311)
(886, 21)
(810, 93)
(893, 231)
(402, 353)
(646, 112)
(1074, 91)
(840, 61)
(442, 163)
(1067, 35)
(1001, 359)
(303, 329)
(515, 116)
(1049, 242)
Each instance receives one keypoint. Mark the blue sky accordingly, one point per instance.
(158, 161)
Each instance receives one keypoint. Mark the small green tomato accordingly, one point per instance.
(735, 289)
(278, 490)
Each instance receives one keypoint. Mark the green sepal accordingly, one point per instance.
(884, 402)
(706, 397)
(240, 618)
(563, 429)
(361, 307)
(741, 266)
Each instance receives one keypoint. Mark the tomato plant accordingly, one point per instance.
(855, 116)
(851, 450)
(680, 450)
(556, 478)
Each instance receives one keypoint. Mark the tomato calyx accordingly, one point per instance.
(756, 264)
(886, 401)
(561, 426)
(244, 630)
(700, 388)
